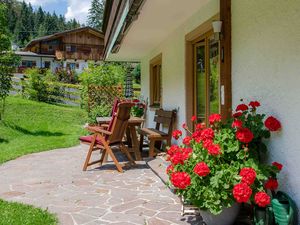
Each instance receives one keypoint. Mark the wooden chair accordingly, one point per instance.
(104, 139)
(156, 135)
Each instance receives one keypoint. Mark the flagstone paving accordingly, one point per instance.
(54, 180)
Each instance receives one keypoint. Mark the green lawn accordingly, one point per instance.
(19, 214)
(29, 127)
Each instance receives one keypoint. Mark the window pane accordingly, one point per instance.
(214, 77)
(200, 82)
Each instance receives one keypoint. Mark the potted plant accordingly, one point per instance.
(219, 166)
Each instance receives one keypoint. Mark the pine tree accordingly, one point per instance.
(95, 16)
(39, 19)
(23, 26)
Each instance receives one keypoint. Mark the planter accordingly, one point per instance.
(226, 217)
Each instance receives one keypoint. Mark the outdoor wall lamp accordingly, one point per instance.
(217, 28)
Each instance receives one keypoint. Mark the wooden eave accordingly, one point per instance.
(112, 14)
(61, 34)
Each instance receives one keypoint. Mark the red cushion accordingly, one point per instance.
(89, 139)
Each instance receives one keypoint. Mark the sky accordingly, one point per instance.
(77, 9)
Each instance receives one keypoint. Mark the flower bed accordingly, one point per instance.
(219, 164)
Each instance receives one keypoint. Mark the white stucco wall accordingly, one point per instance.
(173, 64)
(266, 66)
(40, 61)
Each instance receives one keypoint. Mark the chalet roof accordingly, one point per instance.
(60, 34)
(32, 54)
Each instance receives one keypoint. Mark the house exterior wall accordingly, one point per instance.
(40, 61)
(265, 66)
(173, 64)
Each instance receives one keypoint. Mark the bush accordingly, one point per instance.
(39, 86)
(99, 111)
(94, 80)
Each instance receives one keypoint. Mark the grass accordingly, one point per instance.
(30, 127)
(19, 214)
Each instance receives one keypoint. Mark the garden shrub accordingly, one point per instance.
(100, 84)
(99, 111)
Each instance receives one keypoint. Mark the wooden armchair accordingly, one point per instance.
(104, 139)
(156, 135)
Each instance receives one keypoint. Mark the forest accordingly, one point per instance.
(26, 23)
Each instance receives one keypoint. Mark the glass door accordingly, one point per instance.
(206, 78)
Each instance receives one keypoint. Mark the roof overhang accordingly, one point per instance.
(157, 20)
(60, 34)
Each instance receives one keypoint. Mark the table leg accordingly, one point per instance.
(135, 143)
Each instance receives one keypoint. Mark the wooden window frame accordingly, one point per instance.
(225, 60)
(157, 60)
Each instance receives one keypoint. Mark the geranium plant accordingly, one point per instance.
(219, 164)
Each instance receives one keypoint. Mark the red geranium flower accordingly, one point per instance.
(170, 169)
(214, 149)
(207, 133)
(214, 118)
(202, 169)
(193, 118)
(242, 192)
(244, 135)
(237, 124)
(180, 156)
(197, 136)
(278, 165)
(271, 184)
(187, 140)
(237, 114)
(206, 143)
(262, 199)
(177, 134)
(248, 175)
(272, 124)
(173, 149)
(241, 107)
(254, 104)
(184, 126)
(135, 100)
(200, 126)
(181, 180)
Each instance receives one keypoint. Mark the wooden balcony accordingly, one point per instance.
(62, 55)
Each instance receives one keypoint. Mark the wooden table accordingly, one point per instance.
(131, 133)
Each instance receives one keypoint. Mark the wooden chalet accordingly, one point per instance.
(83, 43)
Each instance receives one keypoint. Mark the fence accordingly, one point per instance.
(103, 95)
(68, 94)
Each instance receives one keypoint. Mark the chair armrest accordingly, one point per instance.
(98, 130)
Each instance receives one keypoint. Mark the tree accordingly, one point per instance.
(8, 60)
(95, 16)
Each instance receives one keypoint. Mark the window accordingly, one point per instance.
(47, 64)
(28, 63)
(206, 78)
(155, 81)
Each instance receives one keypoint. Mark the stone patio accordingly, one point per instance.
(54, 180)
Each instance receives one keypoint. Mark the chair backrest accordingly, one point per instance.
(115, 106)
(166, 118)
(120, 122)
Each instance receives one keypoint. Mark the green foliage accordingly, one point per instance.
(8, 60)
(213, 191)
(106, 74)
(137, 74)
(95, 16)
(98, 111)
(16, 213)
(32, 126)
